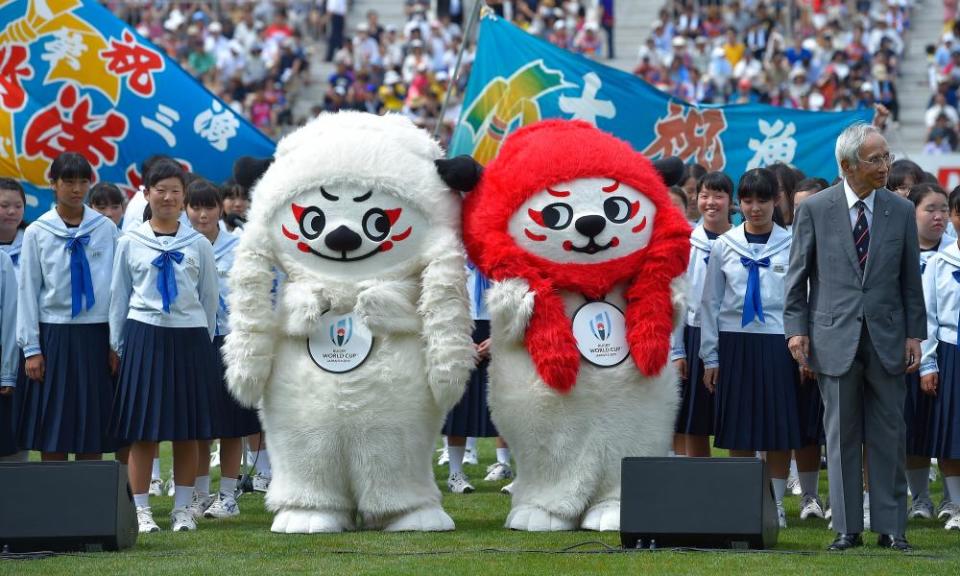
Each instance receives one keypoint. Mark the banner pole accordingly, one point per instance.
(471, 25)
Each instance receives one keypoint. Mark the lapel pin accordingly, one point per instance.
(886, 212)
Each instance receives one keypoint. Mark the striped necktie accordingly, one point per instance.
(861, 234)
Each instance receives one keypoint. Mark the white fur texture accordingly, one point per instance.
(568, 448)
(356, 445)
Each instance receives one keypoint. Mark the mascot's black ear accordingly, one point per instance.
(247, 170)
(461, 173)
(670, 169)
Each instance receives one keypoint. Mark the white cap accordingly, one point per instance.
(216, 27)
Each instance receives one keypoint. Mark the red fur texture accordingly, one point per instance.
(545, 154)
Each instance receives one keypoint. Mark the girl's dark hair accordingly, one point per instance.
(161, 170)
(105, 194)
(70, 166)
(761, 184)
(14, 186)
(787, 179)
(716, 181)
(232, 189)
(811, 185)
(201, 193)
(900, 170)
(678, 192)
(920, 191)
(150, 161)
(954, 201)
(694, 171)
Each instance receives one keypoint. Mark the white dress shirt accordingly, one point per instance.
(852, 199)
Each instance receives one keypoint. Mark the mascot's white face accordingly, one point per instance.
(584, 221)
(348, 231)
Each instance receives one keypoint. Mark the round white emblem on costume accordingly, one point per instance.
(341, 343)
(601, 333)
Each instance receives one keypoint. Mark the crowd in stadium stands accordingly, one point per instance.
(943, 72)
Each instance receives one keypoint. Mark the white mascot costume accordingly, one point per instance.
(367, 343)
(578, 235)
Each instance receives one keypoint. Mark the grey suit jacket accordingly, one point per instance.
(827, 297)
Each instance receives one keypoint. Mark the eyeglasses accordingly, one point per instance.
(887, 159)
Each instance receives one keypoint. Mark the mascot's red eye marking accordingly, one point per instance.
(297, 211)
(567, 245)
(402, 236)
(534, 237)
(614, 241)
(558, 193)
(639, 227)
(288, 233)
(302, 247)
(386, 246)
(634, 208)
(535, 216)
(393, 215)
(611, 187)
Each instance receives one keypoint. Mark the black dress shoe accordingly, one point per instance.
(898, 543)
(845, 542)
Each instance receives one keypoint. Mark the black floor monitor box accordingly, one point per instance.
(61, 506)
(697, 502)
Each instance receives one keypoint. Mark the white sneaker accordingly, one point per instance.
(145, 523)
(224, 507)
(470, 456)
(810, 506)
(922, 508)
(498, 471)
(199, 504)
(459, 484)
(781, 515)
(793, 485)
(947, 510)
(181, 520)
(828, 513)
(156, 487)
(171, 487)
(953, 523)
(261, 483)
(444, 458)
(508, 489)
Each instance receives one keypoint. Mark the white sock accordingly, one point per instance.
(946, 488)
(471, 443)
(951, 483)
(793, 468)
(263, 463)
(779, 488)
(155, 473)
(503, 456)
(228, 486)
(919, 481)
(444, 442)
(866, 499)
(456, 458)
(141, 500)
(809, 482)
(202, 485)
(182, 496)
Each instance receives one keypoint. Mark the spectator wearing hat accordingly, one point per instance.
(587, 41)
(392, 93)
(744, 93)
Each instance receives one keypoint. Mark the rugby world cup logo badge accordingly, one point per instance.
(341, 332)
(600, 325)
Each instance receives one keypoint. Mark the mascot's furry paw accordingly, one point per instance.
(430, 519)
(678, 291)
(248, 357)
(389, 306)
(298, 521)
(534, 519)
(602, 517)
(510, 303)
(304, 304)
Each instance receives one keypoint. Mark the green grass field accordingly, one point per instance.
(480, 545)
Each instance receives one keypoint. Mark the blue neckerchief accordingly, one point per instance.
(167, 278)
(81, 282)
(752, 302)
(480, 285)
(223, 305)
(15, 258)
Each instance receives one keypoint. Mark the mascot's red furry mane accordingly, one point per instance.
(542, 155)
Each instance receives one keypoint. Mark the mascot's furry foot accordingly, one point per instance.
(533, 519)
(602, 517)
(300, 521)
(430, 519)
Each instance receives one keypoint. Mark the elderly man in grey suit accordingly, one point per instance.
(855, 316)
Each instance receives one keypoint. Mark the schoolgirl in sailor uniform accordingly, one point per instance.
(163, 317)
(9, 355)
(940, 364)
(695, 417)
(742, 346)
(12, 203)
(933, 213)
(63, 303)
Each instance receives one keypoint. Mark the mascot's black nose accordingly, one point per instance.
(590, 226)
(343, 239)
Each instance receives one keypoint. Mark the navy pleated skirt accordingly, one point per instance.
(918, 411)
(943, 434)
(756, 398)
(696, 402)
(233, 420)
(10, 409)
(70, 410)
(471, 417)
(167, 386)
(810, 406)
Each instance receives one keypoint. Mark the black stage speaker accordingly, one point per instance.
(62, 506)
(697, 502)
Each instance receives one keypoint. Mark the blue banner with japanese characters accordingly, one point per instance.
(517, 79)
(75, 78)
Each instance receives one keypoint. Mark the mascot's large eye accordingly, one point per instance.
(557, 216)
(312, 222)
(376, 224)
(617, 209)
